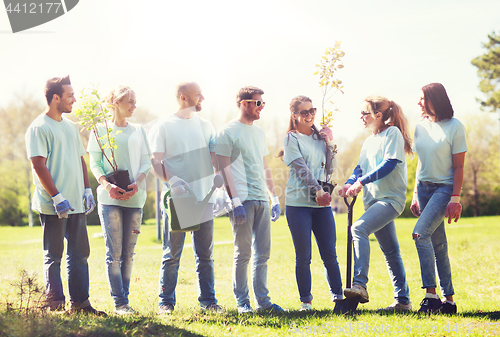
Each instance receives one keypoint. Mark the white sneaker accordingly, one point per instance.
(397, 307)
(357, 291)
(245, 308)
(124, 310)
(306, 306)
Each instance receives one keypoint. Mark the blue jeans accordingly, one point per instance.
(121, 227)
(379, 220)
(431, 242)
(203, 244)
(252, 239)
(302, 221)
(74, 230)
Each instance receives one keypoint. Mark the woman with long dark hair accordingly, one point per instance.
(381, 174)
(440, 144)
(309, 154)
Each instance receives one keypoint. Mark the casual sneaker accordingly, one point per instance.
(273, 308)
(306, 306)
(88, 310)
(166, 309)
(357, 291)
(213, 307)
(396, 307)
(245, 308)
(430, 305)
(124, 310)
(448, 308)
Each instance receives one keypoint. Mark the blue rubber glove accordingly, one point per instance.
(275, 208)
(89, 201)
(239, 215)
(61, 205)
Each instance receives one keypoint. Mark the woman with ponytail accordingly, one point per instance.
(440, 144)
(120, 210)
(309, 154)
(381, 173)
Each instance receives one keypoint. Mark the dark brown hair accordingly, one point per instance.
(54, 86)
(440, 105)
(247, 93)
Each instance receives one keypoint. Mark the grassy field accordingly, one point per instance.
(474, 244)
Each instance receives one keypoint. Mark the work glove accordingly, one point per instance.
(222, 203)
(61, 205)
(328, 135)
(239, 215)
(275, 208)
(343, 191)
(178, 186)
(414, 207)
(88, 200)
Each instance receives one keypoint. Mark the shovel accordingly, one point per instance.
(348, 305)
(185, 210)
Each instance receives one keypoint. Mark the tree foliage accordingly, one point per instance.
(488, 71)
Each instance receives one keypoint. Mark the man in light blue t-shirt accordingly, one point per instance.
(62, 189)
(182, 145)
(241, 149)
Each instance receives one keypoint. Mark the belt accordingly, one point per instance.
(430, 183)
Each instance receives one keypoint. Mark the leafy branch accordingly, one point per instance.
(93, 111)
(330, 63)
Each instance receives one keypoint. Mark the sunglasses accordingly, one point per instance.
(305, 113)
(365, 113)
(257, 102)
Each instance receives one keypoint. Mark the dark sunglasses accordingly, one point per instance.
(305, 113)
(257, 103)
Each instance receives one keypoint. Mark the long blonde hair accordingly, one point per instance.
(392, 114)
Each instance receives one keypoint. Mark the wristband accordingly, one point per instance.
(58, 198)
(108, 187)
(455, 199)
(275, 200)
(236, 202)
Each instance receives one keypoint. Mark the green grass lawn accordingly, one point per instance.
(473, 246)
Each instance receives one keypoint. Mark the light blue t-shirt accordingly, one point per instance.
(132, 154)
(313, 150)
(435, 144)
(187, 144)
(388, 144)
(246, 147)
(61, 145)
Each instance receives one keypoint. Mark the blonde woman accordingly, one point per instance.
(120, 209)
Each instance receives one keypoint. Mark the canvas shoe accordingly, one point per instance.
(306, 306)
(213, 307)
(273, 308)
(448, 308)
(357, 291)
(430, 305)
(396, 307)
(166, 309)
(245, 308)
(124, 310)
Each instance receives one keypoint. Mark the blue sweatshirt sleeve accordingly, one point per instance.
(379, 172)
(355, 175)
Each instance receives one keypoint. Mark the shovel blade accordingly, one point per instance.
(346, 306)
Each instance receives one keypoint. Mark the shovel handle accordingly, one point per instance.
(350, 206)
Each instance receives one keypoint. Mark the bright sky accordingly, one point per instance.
(392, 48)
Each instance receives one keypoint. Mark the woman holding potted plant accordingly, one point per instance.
(120, 145)
(309, 154)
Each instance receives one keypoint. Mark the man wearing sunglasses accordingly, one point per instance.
(241, 149)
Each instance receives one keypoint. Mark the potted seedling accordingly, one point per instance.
(91, 112)
(330, 63)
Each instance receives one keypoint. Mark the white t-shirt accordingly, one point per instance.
(61, 145)
(246, 147)
(435, 144)
(388, 144)
(187, 144)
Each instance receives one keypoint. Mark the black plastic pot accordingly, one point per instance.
(120, 178)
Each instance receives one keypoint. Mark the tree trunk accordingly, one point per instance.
(476, 194)
(30, 211)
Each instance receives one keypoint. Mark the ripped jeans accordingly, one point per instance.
(430, 236)
(121, 227)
